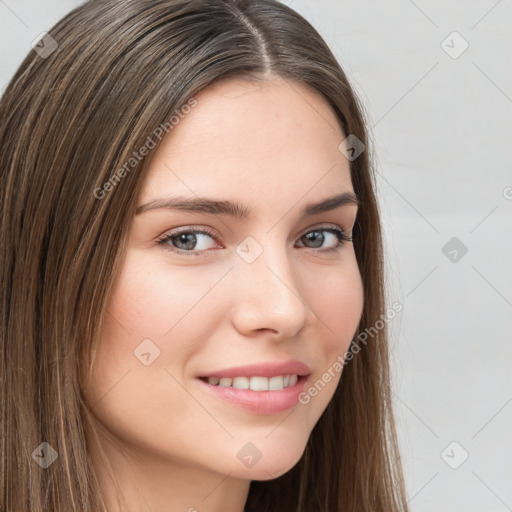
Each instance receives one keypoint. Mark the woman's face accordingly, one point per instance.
(269, 287)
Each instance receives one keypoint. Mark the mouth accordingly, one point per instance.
(255, 383)
(257, 394)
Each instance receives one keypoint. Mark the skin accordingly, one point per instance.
(172, 446)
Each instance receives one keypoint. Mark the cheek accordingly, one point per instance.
(155, 300)
(139, 402)
(339, 304)
(151, 302)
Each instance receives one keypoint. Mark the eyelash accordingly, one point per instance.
(340, 234)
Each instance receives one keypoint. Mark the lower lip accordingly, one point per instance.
(260, 402)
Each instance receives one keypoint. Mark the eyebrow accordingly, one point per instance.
(238, 211)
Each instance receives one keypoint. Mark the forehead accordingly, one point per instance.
(271, 139)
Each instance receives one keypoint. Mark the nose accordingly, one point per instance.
(267, 296)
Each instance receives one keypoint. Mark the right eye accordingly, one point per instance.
(186, 241)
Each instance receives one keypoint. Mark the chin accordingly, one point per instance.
(272, 469)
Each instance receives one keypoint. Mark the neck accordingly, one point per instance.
(132, 481)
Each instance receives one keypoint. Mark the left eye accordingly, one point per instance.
(193, 241)
(337, 235)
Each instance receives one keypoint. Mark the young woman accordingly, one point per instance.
(191, 266)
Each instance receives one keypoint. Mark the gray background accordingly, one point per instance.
(441, 121)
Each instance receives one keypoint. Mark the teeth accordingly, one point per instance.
(256, 383)
(275, 383)
(241, 383)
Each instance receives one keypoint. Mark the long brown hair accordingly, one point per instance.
(74, 113)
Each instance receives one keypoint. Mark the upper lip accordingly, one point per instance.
(266, 369)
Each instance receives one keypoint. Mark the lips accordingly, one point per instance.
(264, 388)
(257, 402)
(266, 369)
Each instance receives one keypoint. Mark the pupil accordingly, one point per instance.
(319, 238)
(182, 238)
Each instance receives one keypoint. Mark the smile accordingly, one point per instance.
(255, 383)
(271, 395)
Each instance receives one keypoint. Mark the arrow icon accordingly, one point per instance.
(454, 249)
(454, 45)
(44, 44)
(247, 252)
(249, 455)
(454, 455)
(146, 352)
(351, 147)
(45, 455)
